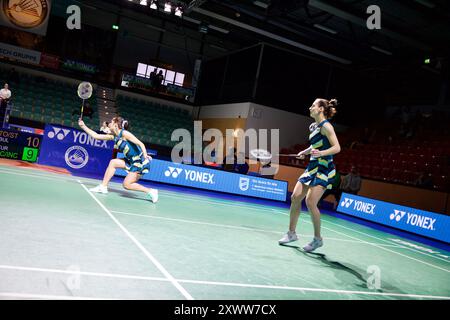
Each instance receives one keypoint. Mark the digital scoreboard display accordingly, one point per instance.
(18, 145)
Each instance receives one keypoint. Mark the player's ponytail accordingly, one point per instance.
(329, 107)
(121, 123)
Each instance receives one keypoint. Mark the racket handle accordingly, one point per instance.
(82, 109)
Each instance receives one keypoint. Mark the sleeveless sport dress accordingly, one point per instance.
(320, 171)
(133, 155)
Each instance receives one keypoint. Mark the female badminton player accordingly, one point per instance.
(320, 172)
(136, 161)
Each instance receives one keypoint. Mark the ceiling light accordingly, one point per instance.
(426, 3)
(178, 12)
(321, 27)
(260, 4)
(381, 50)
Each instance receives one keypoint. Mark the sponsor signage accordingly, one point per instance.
(74, 150)
(215, 180)
(27, 15)
(19, 54)
(424, 223)
(79, 66)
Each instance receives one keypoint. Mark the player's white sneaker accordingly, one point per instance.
(153, 195)
(99, 189)
(313, 245)
(288, 237)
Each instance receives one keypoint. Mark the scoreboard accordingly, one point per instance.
(19, 145)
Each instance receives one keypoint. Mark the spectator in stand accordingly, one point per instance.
(351, 183)
(335, 190)
(5, 95)
(241, 168)
(230, 160)
(424, 181)
(267, 170)
(104, 128)
(159, 80)
(153, 77)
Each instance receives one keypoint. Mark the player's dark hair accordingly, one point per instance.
(329, 107)
(121, 122)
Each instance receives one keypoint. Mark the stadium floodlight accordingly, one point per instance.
(167, 7)
(153, 5)
(143, 2)
(386, 52)
(178, 12)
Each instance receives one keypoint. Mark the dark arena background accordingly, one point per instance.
(128, 169)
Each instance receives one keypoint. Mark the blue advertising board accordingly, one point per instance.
(424, 223)
(215, 180)
(74, 150)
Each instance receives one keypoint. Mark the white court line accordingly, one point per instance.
(228, 284)
(234, 227)
(84, 273)
(378, 246)
(307, 221)
(401, 246)
(357, 239)
(315, 289)
(142, 248)
(46, 296)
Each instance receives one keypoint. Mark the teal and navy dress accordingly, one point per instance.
(321, 170)
(133, 155)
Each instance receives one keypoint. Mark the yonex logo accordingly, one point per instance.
(397, 215)
(347, 202)
(414, 219)
(59, 133)
(358, 205)
(174, 172)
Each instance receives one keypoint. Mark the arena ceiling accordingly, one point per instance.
(334, 31)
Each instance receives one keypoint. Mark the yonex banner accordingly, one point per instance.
(216, 180)
(74, 150)
(429, 224)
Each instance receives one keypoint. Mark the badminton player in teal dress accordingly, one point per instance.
(136, 161)
(320, 173)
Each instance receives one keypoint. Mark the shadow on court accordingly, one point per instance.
(338, 266)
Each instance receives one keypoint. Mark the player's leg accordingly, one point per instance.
(130, 183)
(312, 199)
(109, 173)
(299, 193)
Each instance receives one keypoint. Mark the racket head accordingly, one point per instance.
(85, 90)
(261, 154)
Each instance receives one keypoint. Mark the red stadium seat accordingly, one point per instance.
(397, 175)
(376, 172)
(441, 182)
(386, 173)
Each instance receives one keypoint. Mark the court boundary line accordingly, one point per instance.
(219, 283)
(388, 241)
(141, 247)
(232, 227)
(267, 209)
(382, 248)
(47, 296)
